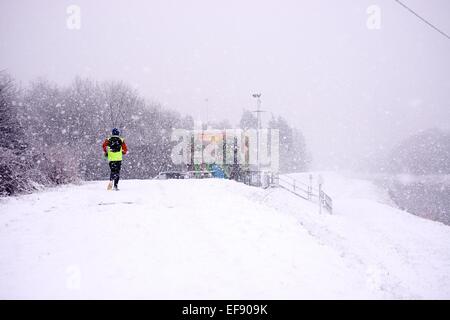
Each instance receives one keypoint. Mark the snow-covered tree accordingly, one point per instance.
(14, 163)
(248, 120)
(293, 153)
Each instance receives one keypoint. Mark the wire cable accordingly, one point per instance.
(423, 19)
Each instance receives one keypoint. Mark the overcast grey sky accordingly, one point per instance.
(351, 90)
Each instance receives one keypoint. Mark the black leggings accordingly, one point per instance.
(115, 171)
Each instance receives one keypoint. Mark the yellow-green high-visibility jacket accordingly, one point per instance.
(115, 147)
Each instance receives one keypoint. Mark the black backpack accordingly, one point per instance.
(115, 144)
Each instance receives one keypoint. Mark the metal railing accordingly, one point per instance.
(307, 191)
(266, 179)
(301, 189)
(296, 187)
(327, 202)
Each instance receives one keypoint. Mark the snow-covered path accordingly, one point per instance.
(213, 239)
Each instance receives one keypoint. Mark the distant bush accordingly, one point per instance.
(14, 171)
(59, 166)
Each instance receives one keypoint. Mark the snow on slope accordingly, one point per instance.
(402, 255)
(216, 239)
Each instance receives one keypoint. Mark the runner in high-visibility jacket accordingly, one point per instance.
(114, 147)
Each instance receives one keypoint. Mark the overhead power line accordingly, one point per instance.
(423, 19)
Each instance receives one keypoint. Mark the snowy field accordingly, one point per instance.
(217, 239)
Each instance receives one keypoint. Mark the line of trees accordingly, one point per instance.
(52, 134)
(426, 152)
(294, 156)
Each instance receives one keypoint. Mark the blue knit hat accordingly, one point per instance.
(115, 132)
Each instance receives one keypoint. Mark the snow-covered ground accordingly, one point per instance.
(217, 239)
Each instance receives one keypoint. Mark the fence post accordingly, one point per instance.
(320, 180)
(320, 199)
(310, 187)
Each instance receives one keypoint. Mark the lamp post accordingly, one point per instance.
(203, 166)
(257, 96)
(258, 111)
(206, 110)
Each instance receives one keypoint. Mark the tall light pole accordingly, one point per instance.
(206, 104)
(207, 110)
(258, 111)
